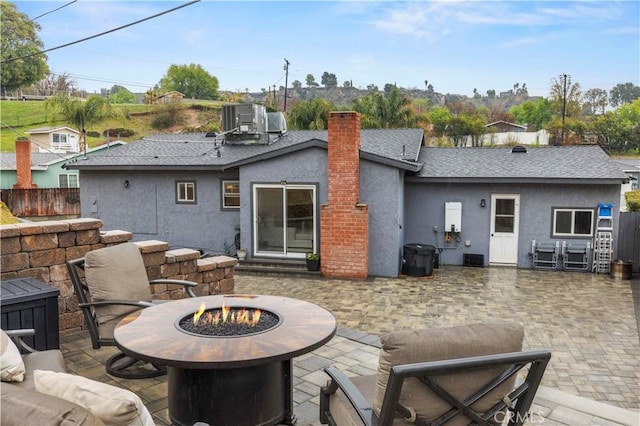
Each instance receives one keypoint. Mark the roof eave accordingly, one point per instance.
(523, 180)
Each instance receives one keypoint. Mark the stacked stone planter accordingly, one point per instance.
(40, 250)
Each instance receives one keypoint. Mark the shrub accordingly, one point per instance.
(93, 134)
(119, 132)
(169, 115)
(633, 200)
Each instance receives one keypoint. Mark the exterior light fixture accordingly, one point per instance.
(483, 202)
(126, 183)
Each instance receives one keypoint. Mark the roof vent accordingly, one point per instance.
(518, 149)
(210, 135)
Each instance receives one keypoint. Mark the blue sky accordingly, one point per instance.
(455, 45)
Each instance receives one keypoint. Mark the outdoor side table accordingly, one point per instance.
(29, 303)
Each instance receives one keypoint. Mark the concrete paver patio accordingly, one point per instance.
(587, 321)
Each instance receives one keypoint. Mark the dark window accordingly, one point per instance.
(573, 222)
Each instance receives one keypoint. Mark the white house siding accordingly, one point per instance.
(510, 138)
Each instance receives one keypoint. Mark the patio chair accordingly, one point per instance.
(456, 376)
(115, 285)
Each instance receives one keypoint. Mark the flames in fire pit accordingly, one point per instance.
(228, 321)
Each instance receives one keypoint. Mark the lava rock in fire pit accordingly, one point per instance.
(228, 328)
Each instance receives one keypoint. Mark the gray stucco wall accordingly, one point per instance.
(148, 207)
(424, 206)
(380, 188)
(303, 167)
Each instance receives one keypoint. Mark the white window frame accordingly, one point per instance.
(63, 139)
(67, 180)
(572, 232)
(183, 187)
(228, 195)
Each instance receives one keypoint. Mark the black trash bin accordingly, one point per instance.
(417, 260)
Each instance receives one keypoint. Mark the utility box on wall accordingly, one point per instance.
(453, 217)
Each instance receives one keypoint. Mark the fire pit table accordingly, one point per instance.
(242, 376)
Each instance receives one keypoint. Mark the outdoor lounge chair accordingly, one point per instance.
(115, 285)
(456, 376)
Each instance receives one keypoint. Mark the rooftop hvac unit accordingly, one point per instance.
(276, 123)
(244, 121)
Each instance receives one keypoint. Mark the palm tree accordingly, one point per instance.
(310, 115)
(81, 113)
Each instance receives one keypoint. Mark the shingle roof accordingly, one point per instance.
(49, 129)
(38, 160)
(184, 151)
(538, 163)
(41, 160)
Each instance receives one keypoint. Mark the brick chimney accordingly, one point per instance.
(344, 221)
(23, 165)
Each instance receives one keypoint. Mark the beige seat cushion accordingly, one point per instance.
(11, 365)
(22, 407)
(433, 344)
(112, 405)
(41, 360)
(116, 273)
(341, 409)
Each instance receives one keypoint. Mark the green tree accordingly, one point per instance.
(19, 38)
(392, 110)
(619, 130)
(80, 113)
(595, 100)
(193, 81)
(311, 81)
(623, 94)
(536, 115)
(122, 95)
(329, 79)
(297, 85)
(310, 115)
(439, 117)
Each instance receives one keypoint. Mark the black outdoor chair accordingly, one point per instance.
(455, 376)
(110, 284)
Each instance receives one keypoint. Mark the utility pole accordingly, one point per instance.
(286, 81)
(564, 102)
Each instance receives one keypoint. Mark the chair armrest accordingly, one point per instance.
(17, 335)
(340, 381)
(186, 284)
(140, 303)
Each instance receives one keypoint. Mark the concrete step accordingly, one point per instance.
(263, 266)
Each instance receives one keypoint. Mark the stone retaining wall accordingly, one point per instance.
(40, 250)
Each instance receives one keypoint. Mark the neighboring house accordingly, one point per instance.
(505, 133)
(355, 196)
(47, 169)
(505, 126)
(54, 139)
(170, 97)
(631, 167)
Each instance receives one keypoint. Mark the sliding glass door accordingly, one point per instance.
(284, 218)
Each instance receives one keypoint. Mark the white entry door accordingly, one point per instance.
(505, 218)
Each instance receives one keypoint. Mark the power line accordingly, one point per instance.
(103, 80)
(101, 34)
(54, 10)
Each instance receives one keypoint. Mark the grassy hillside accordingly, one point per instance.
(20, 116)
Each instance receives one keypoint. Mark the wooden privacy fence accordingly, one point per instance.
(629, 238)
(42, 202)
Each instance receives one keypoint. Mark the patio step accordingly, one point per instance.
(262, 266)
